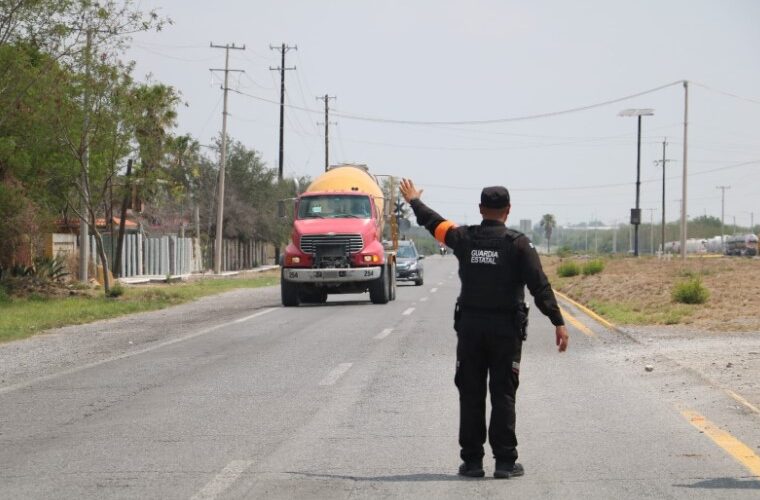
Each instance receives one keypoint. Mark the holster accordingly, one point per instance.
(521, 320)
(457, 316)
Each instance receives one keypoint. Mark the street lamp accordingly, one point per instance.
(636, 212)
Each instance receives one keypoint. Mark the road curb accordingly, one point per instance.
(590, 313)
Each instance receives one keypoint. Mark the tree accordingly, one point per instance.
(93, 122)
(548, 223)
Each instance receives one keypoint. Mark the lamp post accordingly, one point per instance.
(636, 212)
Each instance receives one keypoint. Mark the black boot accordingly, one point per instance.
(505, 470)
(472, 469)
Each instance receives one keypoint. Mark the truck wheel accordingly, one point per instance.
(289, 292)
(379, 289)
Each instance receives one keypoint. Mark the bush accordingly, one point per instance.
(595, 266)
(116, 290)
(567, 269)
(4, 297)
(690, 292)
(564, 251)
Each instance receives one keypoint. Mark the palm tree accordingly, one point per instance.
(548, 223)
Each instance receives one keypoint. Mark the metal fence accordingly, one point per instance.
(171, 255)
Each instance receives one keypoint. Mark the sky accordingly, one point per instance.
(428, 61)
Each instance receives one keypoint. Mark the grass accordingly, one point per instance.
(628, 314)
(21, 318)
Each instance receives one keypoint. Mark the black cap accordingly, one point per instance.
(494, 197)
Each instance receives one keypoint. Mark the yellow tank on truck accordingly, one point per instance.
(350, 177)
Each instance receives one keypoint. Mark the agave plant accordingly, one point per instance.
(52, 269)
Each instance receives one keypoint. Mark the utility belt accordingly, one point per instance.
(519, 312)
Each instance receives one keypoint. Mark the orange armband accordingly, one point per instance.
(443, 228)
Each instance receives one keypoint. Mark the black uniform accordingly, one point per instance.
(495, 264)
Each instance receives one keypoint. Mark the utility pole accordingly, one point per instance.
(684, 222)
(84, 229)
(326, 98)
(722, 209)
(663, 162)
(223, 156)
(281, 164)
(282, 69)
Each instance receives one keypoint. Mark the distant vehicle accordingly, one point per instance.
(741, 244)
(409, 265)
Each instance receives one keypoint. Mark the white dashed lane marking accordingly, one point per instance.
(223, 480)
(383, 334)
(335, 374)
(408, 311)
(433, 290)
(423, 299)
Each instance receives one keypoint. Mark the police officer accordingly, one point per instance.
(495, 264)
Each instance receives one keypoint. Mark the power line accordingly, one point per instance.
(349, 116)
(508, 119)
(729, 94)
(602, 186)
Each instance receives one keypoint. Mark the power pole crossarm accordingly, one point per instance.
(223, 155)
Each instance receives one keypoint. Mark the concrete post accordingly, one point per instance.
(140, 253)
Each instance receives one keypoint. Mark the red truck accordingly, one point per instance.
(336, 244)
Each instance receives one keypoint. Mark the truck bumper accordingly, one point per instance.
(330, 275)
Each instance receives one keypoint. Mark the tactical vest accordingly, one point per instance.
(488, 269)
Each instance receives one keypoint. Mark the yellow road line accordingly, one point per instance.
(586, 310)
(577, 324)
(743, 401)
(738, 450)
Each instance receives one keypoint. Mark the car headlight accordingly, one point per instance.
(413, 266)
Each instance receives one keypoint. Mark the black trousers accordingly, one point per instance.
(488, 347)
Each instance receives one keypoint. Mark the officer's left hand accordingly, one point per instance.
(562, 338)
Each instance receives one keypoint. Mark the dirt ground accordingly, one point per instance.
(643, 287)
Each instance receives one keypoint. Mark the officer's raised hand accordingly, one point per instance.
(408, 191)
(562, 338)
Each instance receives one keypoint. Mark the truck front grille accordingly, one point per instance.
(352, 242)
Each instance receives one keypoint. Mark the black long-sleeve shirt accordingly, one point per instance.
(528, 265)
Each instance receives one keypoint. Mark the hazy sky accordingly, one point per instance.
(443, 60)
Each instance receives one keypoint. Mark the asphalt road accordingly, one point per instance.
(236, 397)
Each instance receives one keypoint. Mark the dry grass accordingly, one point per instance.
(638, 291)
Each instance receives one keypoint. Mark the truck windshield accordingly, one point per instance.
(334, 206)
